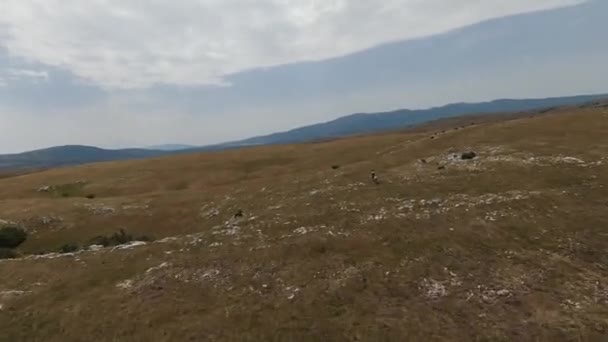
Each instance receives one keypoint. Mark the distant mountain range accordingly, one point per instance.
(71, 155)
(377, 122)
(171, 147)
(360, 123)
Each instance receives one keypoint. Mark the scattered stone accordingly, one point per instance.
(50, 220)
(125, 285)
(292, 292)
(4, 223)
(95, 248)
(433, 289)
(209, 212)
(168, 239)
(490, 296)
(45, 188)
(301, 230)
(100, 209)
(135, 207)
(130, 245)
(156, 268)
(503, 293)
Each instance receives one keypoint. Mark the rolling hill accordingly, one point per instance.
(378, 122)
(70, 155)
(295, 243)
(344, 126)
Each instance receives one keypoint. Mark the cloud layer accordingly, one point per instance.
(119, 44)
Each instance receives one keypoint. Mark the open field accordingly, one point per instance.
(509, 246)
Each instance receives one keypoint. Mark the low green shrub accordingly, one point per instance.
(6, 253)
(12, 236)
(68, 248)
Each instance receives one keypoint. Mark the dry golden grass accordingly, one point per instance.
(510, 246)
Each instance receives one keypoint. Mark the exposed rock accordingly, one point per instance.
(156, 268)
(432, 289)
(95, 248)
(50, 220)
(125, 285)
(45, 188)
(100, 209)
(130, 245)
(4, 223)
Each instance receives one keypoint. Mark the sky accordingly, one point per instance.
(123, 73)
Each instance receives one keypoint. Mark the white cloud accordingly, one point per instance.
(35, 75)
(136, 43)
(8, 75)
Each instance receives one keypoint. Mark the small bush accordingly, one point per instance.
(91, 196)
(468, 155)
(335, 167)
(12, 236)
(68, 190)
(6, 253)
(181, 185)
(68, 248)
(145, 238)
(119, 238)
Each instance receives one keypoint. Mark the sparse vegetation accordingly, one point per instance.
(69, 248)
(119, 238)
(7, 253)
(74, 189)
(181, 185)
(485, 249)
(468, 155)
(11, 236)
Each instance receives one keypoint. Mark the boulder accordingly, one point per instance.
(468, 155)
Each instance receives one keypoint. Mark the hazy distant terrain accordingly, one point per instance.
(70, 155)
(170, 147)
(377, 122)
(348, 125)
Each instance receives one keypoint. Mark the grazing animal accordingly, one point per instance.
(374, 177)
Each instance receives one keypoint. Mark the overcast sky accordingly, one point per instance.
(118, 73)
